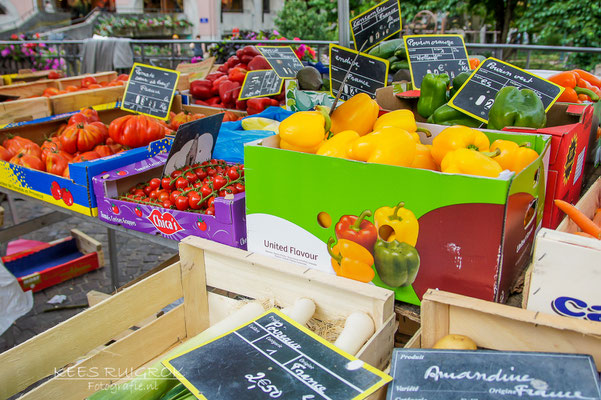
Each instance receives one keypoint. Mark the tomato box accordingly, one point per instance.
(56, 263)
(74, 193)
(227, 226)
(473, 235)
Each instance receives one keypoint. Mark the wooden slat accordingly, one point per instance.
(261, 277)
(1, 216)
(95, 297)
(376, 351)
(29, 89)
(76, 80)
(24, 110)
(39, 356)
(74, 101)
(114, 361)
(435, 321)
(87, 244)
(194, 288)
(416, 341)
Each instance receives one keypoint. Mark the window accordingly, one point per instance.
(231, 6)
(266, 7)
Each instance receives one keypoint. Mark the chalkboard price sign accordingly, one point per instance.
(435, 54)
(272, 357)
(487, 375)
(150, 90)
(367, 74)
(282, 59)
(477, 95)
(262, 82)
(376, 24)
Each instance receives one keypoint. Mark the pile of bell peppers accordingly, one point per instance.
(387, 246)
(354, 131)
(579, 86)
(222, 87)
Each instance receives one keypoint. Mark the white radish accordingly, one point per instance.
(358, 328)
(302, 310)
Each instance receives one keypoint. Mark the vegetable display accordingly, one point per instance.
(514, 107)
(579, 86)
(87, 83)
(588, 226)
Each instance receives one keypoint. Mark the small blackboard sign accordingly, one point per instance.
(272, 357)
(282, 59)
(258, 83)
(477, 95)
(367, 74)
(435, 54)
(150, 90)
(194, 143)
(376, 24)
(484, 374)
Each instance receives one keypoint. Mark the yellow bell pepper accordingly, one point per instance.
(423, 157)
(303, 131)
(359, 113)
(470, 162)
(513, 156)
(397, 223)
(403, 119)
(338, 145)
(389, 145)
(351, 260)
(458, 137)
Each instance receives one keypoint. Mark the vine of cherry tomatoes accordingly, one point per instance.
(191, 188)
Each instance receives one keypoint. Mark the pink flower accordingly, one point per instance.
(311, 51)
(5, 52)
(282, 38)
(276, 33)
(296, 38)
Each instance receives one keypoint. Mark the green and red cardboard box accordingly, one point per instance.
(475, 233)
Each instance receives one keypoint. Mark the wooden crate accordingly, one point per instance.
(25, 90)
(566, 266)
(68, 102)
(76, 80)
(501, 327)
(177, 106)
(24, 110)
(202, 263)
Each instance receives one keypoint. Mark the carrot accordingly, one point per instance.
(597, 217)
(584, 234)
(579, 218)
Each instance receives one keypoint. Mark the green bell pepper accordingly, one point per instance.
(447, 115)
(514, 107)
(397, 262)
(433, 94)
(458, 81)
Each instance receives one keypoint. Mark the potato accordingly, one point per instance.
(455, 342)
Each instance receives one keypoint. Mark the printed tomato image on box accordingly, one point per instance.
(405, 229)
(227, 226)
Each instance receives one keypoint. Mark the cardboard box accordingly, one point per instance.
(475, 233)
(76, 192)
(573, 130)
(56, 263)
(227, 226)
(563, 277)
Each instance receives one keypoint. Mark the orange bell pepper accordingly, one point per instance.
(351, 260)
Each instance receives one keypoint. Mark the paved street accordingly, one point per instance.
(135, 258)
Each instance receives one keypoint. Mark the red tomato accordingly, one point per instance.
(86, 156)
(153, 194)
(136, 130)
(232, 173)
(163, 195)
(210, 211)
(54, 75)
(28, 161)
(182, 203)
(82, 137)
(49, 92)
(5, 154)
(94, 86)
(239, 187)
(205, 190)
(154, 183)
(194, 200)
(191, 177)
(219, 182)
(181, 183)
(167, 204)
(147, 190)
(166, 183)
(56, 163)
(87, 81)
(174, 195)
(123, 77)
(71, 89)
(201, 173)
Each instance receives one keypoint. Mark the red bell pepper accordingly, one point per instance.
(214, 75)
(201, 103)
(259, 62)
(257, 105)
(213, 101)
(223, 68)
(358, 230)
(217, 83)
(237, 74)
(250, 51)
(239, 53)
(201, 89)
(246, 58)
(241, 105)
(232, 61)
(228, 92)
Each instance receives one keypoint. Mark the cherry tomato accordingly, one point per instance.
(224, 192)
(176, 173)
(197, 184)
(181, 182)
(167, 204)
(174, 195)
(153, 195)
(166, 183)
(232, 189)
(191, 177)
(182, 203)
(201, 173)
(194, 200)
(232, 173)
(132, 190)
(210, 211)
(210, 201)
(219, 182)
(211, 171)
(163, 195)
(147, 190)
(205, 190)
(154, 183)
(239, 187)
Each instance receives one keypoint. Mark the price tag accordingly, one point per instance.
(376, 24)
(368, 73)
(272, 357)
(282, 59)
(197, 70)
(435, 54)
(487, 375)
(477, 95)
(259, 83)
(150, 91)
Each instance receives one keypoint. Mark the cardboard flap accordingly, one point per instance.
(576, 109)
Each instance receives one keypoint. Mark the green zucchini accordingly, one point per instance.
(386, 49)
